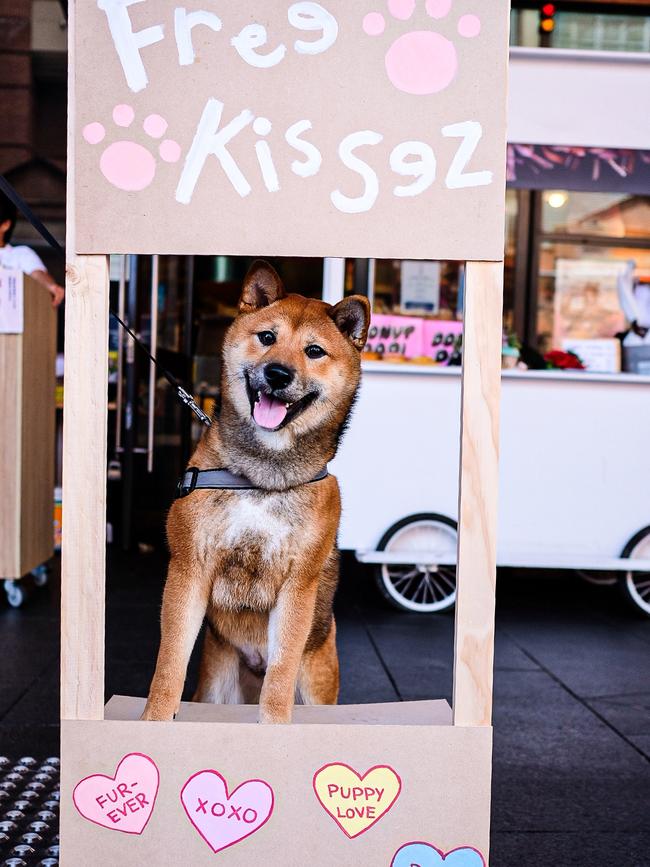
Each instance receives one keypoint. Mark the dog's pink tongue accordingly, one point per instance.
(269, 412)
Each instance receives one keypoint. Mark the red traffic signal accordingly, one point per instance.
(546, 20)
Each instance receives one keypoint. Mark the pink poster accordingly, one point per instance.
(442, 340)
(395, 335)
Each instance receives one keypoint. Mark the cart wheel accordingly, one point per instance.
(15, 593)
(41, 575)
(636, 585)
(599, 579)
(425, 587)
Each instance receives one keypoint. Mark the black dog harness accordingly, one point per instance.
(196, 479)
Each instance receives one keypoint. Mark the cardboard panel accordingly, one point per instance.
(435, 782)
(27, 418)
(38, 415)
(291, 128)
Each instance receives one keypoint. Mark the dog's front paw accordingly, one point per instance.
(270, 716)
(159, 711)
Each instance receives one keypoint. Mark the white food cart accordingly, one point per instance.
(574, 479)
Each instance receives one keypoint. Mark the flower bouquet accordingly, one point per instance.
(558, 359)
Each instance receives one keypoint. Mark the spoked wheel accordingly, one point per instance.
(635, 586)
(598, 579)
(422, 587)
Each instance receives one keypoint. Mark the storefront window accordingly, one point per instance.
(417, 306)
(586, 242)
(588, 31)
(510, 260)
(416, 310)
(524, 27)
(577, 290)
(416, 288)
(614, 215)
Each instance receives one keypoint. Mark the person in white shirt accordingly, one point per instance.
(23, 258)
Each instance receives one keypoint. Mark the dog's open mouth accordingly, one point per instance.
(273, 413)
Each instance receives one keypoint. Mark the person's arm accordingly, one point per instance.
(45, 279)
(32, 264)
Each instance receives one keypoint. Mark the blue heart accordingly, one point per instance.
(426, 855)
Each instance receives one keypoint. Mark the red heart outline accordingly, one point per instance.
(361, 779)
(112, 780)
(229, 795)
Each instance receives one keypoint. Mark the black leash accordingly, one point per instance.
(183, 395)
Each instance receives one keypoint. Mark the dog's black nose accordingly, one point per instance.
(278, 376)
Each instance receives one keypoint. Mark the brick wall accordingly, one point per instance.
(15, 83)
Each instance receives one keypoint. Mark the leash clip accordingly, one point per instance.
(184, 490)
(189, 401)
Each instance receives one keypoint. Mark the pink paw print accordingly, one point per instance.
(126, 164)
(421, 62)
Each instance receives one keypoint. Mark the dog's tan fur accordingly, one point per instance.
(262, 565)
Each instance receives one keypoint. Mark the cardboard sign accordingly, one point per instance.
(335, 128)
(433, 784)
(11, 301)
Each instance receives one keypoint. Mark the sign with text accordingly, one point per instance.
(335, 128)
(11, 301)
(395, 335)
(420, 285)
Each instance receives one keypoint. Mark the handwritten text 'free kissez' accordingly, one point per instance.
(219, 126)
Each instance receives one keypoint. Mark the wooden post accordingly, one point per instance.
(83, 562)
(478, 488)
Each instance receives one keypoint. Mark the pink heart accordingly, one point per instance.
(123, 802)
(222, 819)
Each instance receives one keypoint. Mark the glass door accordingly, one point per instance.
(585, 240)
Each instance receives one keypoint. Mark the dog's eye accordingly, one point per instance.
(314, 351)
(266, 338)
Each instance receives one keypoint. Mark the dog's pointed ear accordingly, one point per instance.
(262, 286)
(352, 318)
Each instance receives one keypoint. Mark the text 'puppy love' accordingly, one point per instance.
(356, 802)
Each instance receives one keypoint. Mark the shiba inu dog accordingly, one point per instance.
(261, 565)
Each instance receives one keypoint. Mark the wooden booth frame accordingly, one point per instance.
(445, 800)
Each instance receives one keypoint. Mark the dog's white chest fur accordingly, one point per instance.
(253, 516)
(249, 541)
(246, 522)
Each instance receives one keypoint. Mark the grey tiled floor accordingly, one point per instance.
(572, 697)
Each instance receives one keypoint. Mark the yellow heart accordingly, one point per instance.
(356, 802)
